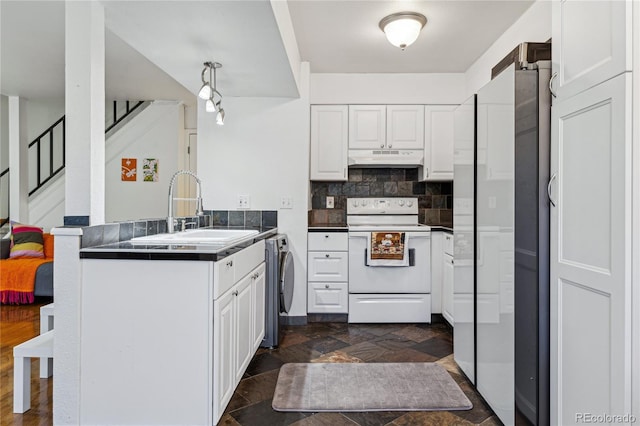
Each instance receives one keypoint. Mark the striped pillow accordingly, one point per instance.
(26, 241)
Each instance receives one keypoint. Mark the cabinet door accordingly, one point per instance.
(258, 305)
(590, 252)
(332, 266)
(244, 323)
(367, 128)
(438, 142)
(405, 127)
(447, 288)
(328, 298)
(329, 139)
(224, 348)
(591, 43)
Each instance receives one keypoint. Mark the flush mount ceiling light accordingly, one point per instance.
(402, 28)
(213, 98)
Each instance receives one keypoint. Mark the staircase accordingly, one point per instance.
(47, 151)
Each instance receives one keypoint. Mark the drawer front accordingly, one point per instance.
(447, 243)
(328, 297)
(247, 259)
(329, 266)
(330, 241)
(223, 275)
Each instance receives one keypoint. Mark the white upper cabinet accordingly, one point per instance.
(329, 142)
(591, 43)
(367, 127)
(405, 126)
(438, 142)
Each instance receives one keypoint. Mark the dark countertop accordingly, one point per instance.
(208, 252)
(442, 228)
(328, 227)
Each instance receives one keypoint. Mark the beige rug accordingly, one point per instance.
(317, 387)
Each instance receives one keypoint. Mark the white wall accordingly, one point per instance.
(387, 88)
(262, 151)
(154, 133)
(533, 26)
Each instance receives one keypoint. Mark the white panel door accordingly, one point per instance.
(367, 126)
(224, 345)
(329, 142)
(591, 43)
(438, 142)
(405, 126)
(244, 337)
(258, 305)
(590, 253)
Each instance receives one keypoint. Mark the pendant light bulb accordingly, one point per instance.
(209, 106)
(205, 91)
(220, 117)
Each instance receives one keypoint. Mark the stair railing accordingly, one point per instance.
(48, 137)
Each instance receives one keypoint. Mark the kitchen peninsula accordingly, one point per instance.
(168, 329)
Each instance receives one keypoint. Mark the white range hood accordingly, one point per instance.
(385, 158)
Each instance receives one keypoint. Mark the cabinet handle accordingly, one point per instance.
(235, 293)
(553, 77)
(326, 286)
(326, 255)
(390, 146)
(553, 203)
(326, 236)
(426, 171)
(381, 145)
(452, 261)
(344, 172)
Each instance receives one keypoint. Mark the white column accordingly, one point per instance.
(18, 161)
(66, 348)
(84, 104)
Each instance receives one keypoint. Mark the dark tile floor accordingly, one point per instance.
(341, 342)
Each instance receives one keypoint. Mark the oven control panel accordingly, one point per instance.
(382, 206)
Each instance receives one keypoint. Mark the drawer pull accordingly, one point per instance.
(326, 255)
(326, 286)
(326, 236)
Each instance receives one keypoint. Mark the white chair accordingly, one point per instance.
(39, 347)
(46, 324)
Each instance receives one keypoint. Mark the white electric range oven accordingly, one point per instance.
(381, 290)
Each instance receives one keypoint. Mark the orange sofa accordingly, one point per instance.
(24, 278)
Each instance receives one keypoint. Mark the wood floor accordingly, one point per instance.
(18, 324)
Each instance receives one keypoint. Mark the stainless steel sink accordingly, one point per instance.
(217, 237)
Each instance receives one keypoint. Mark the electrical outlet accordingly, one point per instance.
(286, 203)
(330, 202)
(244, 201)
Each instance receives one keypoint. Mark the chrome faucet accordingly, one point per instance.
(171, 221)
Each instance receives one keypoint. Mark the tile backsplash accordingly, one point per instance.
(435, 199)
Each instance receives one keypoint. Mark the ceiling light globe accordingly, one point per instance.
(205, 91)
(403, 28)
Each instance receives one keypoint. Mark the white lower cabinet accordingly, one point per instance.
(447, 287)
(181, 333)
(238, 329)
(328, 297)
(328, 273)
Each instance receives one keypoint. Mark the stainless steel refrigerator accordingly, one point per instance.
(501, 233)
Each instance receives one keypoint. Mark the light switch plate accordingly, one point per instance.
(330, 204)
(286, 203)
(244, 201)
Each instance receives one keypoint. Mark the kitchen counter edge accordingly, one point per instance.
(124, 250)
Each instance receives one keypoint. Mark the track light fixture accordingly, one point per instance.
(209, 92)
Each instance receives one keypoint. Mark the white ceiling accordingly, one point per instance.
(344, 37)
(155, 49)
